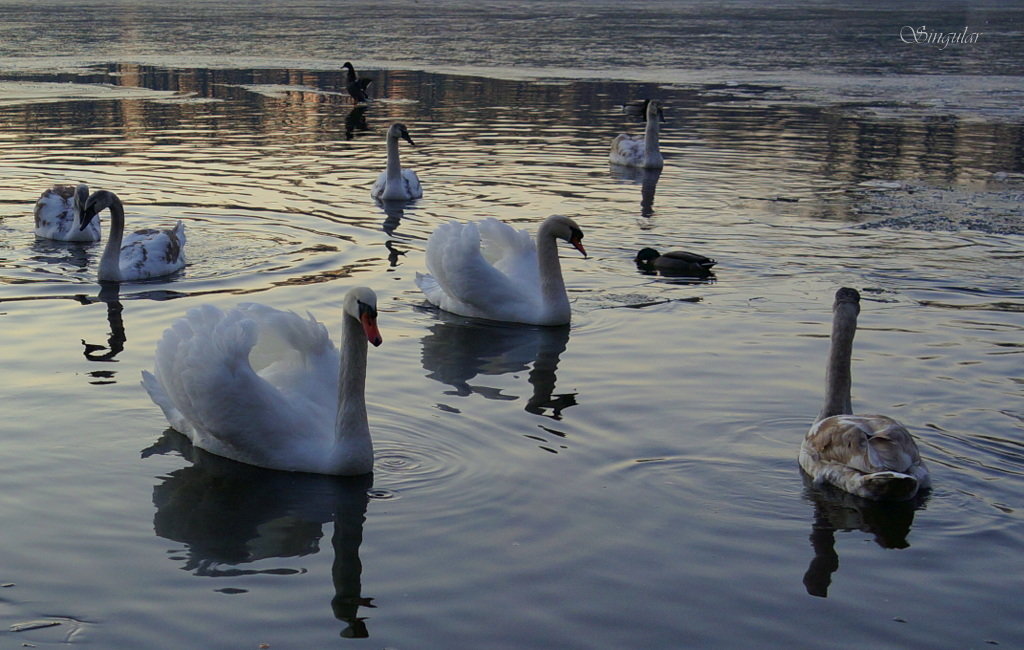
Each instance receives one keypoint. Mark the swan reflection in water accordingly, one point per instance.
(837, 510)
(110, 294)
(646, 178)
(457, 350)
(230, 514)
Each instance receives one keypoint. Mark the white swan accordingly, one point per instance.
(488, 269)
(871, 456)
(640, 151)
(396, 183)
(296, 412)
(142, 254)
(58, 214)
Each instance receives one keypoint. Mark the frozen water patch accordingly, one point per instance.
(13, 93)
(997, 209)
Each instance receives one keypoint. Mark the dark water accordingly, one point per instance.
(626, 482)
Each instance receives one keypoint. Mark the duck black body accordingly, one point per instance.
(355, 84)
(673, 263)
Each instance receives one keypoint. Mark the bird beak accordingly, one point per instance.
(369, 322)
(405, 136)
(578, 245)
(87, 216)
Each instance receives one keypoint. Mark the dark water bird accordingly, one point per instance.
(673, 263)
(355, 84)
(871, 456)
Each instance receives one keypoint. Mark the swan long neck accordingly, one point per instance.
(110, 262)
(838, 377)
(351, 428)
(552, 285)
(394, 167)
(652, 153)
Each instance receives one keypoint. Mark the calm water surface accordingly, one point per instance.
(629, 481)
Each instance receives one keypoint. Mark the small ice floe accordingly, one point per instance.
(879, 184)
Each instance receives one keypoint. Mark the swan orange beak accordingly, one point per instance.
(369, 322)
(578, 245)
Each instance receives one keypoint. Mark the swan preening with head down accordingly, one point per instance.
(140, 255)
(302, 410)
(640, 151)
(871, 456)
(58, 214)
(354, 84)
(488, 269)
(395, 183)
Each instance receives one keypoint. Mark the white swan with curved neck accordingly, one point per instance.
(488, 269)
(140, 255)
(871, 456)
(395, 183)
(58, 214)
(640, 151)
(302, 410)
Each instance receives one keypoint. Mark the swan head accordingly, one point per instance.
(98, 202)
(361, 304)
(398, 130)
(565, 228)
(847, 296)
(654, 111)
(646, 256)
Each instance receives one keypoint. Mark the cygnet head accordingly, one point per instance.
(398, 130)
(845, 296)
(565, 228)
(654, 111)
(98, 202)
(361, 304)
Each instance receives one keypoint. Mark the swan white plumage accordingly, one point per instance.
(640, 151)
(488, 269)
(871, 456)
(140, 255)
(58, 214)
(302, 410)
(395, 183)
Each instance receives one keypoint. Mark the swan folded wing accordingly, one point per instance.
(54, 204)
(152, 253)
(627, 150)
(411, 182)
(221, 403)
(472, 285)
(869, 444)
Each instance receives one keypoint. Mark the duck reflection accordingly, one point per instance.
(355, 120)
(648, 180)
(456, 350)
(109, 294)
(229, 514)
(837, 510)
